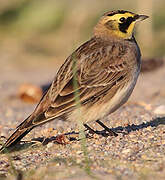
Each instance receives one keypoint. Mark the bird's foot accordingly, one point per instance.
(103, 132)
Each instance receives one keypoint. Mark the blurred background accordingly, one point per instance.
(36, 31)
(37, 36)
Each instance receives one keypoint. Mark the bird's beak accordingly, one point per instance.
(138, 18)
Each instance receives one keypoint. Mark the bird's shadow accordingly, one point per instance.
(153, 123)
(120, 129)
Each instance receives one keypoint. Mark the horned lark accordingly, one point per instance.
(107, 68)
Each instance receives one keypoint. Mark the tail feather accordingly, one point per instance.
(21, 131)
(15, 138)
(24, 128)
(36, 118)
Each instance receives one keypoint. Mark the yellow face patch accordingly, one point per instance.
(116, 23)
(118, 16)
(128, 33)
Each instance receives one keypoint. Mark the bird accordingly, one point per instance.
(101, 74)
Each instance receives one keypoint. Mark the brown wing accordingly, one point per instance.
(99, 66)
(96, 67)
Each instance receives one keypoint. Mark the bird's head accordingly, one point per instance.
(118, 24)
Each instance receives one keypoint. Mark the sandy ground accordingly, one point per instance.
(138, 152)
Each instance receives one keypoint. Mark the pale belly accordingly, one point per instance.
(100, 110)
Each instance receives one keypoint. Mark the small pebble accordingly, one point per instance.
(78, 161)
(49, 145)
(160, 110)
(79, 152)
(126, 151)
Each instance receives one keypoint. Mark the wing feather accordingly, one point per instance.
(95, 74)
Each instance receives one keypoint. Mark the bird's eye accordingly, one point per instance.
(122, 19)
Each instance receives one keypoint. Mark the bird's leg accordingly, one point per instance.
(90, 129)
(112, 133)
(103, 133)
